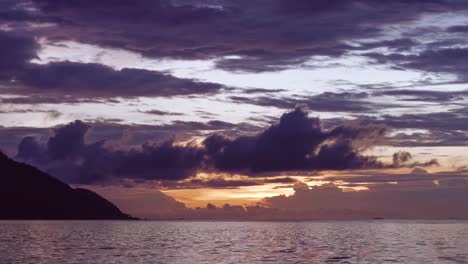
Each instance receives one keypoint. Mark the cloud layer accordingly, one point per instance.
(296, 143)
(264, 36)
(83, 80)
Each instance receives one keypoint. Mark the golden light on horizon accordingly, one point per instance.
(234, 196)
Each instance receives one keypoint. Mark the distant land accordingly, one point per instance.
(28, 193)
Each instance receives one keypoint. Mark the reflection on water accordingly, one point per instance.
(233, 242)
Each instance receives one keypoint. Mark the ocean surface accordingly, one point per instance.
(137, 242)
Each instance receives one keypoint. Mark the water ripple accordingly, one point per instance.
(233, 242)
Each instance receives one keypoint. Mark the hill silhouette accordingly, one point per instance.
(28, 193)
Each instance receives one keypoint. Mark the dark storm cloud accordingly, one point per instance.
(96, 80)
(296, 143)
(139, 152)
(68, 141)
(30, 149)
(10, 137)
(120, 134)
(72, 80)
(15, 53)
(67, 156)
(266, 35)
(165, 161)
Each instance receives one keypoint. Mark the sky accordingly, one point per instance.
(216, 109)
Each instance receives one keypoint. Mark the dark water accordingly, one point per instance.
(233, 242)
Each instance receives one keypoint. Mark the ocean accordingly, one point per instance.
(135, 242)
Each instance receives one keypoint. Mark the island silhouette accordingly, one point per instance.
(29, 194)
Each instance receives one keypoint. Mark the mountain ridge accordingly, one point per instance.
(26, 193)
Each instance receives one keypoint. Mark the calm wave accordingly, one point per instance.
(233, 242)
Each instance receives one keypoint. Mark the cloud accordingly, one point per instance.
(443, 128)
(349, 102)
(10, 137)
(29, 149)
(72, 80)
(121, 134)
(264, 37)
(16, 51)
(445, 60)
(165, 161)
(296, 143)
(68, 157)
(96, 80)
(446, 128)
(68, 141)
